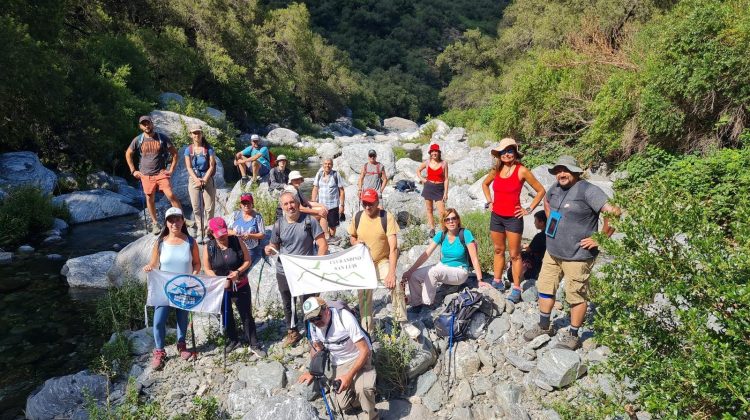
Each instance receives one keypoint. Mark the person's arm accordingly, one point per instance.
(472, 247)
(384, 178)
(420, 260)
(275, 241)
(322, 244)
(196, 258)
(173, 153)
(129, 159)
(314, 193)
(261, 229)
(348, 377)
(486, 186)
(154, 259)
(245, 263)
(390, 279)
(211, 167)
(361, 178)
(547, 208)
(445, 183)
(306, 377)
(529, 177)
(342, 200)
(352, 232)
(590, 243)
(206, 263)
(419, 172)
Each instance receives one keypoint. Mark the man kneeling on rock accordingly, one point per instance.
(350, 353)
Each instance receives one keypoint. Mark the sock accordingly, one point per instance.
(518, 288)
(496, 280)
(544, 320)
(574, 331)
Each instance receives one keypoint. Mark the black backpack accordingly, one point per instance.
(405, 186)
(455, 319)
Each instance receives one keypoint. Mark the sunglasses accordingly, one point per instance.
(364, 204)
(506, 151)
(246, 203)
(451, 219)
(316, 318)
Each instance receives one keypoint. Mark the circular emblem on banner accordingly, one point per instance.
(185, 291)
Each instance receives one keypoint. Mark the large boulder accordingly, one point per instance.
(329, 150)
(24, 168)
(265, 376)
(404, 205)
(354, 156)
(282, 137)
(262, 279)
(450, 151)
(243, 400)
(130, 261)
(134, 195)
(180, 178)
(167, 97)
(471, 166)
(424, 358)
(215, 114)
(89, 270)
(175, 125)
(101, 180)
(398, 124)
(408, 168)
(65, 396)
(282, 407)
(87, 206)
(460, 199)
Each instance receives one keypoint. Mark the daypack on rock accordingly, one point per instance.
(405, 186)
(455, 319)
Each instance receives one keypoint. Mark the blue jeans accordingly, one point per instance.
(161, 313)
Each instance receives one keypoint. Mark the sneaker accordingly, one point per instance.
(567, 341)
(232, 345)
(500, 286)
(536, 332)
(183, 351)
(292, 337)
(515, 295)
(256, 350)
(244, 181)
(158, 359)
(156, 229)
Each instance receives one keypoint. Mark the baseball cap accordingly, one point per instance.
(281, 157)
(434, 146)
(246, 197)
(295, 175)
(195, 127)
(144, 118)
(312, 307)
(372, 152)
(369, 195)
(173, 211)
(218, 227)
(255, 137)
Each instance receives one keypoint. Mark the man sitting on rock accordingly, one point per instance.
(295, 233)
(350, 354)
(572, 206)
(377, 229)
(255, 157)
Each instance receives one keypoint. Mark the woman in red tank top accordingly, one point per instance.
(506, 221)
(435, 185)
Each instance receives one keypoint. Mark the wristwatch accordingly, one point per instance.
(528, 210)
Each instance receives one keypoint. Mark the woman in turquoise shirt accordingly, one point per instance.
(453, 267)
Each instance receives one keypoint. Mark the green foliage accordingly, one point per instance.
(685, 245)
(400, 153)
(203, 409)
(392, 360)
(425, 135)
(298, 154)
(225, 144)
(26, 212)
(641, 167)
(121, 308)
(115, 360)
(413, 236)
(478, 222)
(132, 408)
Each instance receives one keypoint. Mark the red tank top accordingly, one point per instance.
(435, 175)
(507, 194)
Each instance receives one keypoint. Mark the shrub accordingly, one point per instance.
(299, 154)
(115, 360)
(26, 212)
(426, 134)
(122, 308)
(400, 153)
(674, 304)
(478, 222)
(392, 360)
(413, 236)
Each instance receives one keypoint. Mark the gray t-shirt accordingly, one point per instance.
(295, 238)
(373, 176)
(580, 206)
(152, 157)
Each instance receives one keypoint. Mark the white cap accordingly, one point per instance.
(281, 157)
(173, 211)
(295, 175)
(254, 137)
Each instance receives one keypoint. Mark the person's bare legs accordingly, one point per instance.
(151, 206)
(498, 261)
(577, 314)
(514, 249)
(172, 199)
(243, 169)
(256, 170)
(441, 210)
(430, 216)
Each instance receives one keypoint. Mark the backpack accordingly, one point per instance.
(461, 238)
(383, 220)
(405, 186)
(377, 172)
(194, 157)
(455, 320)
(271, 158)
(234, 245)
(163, 148)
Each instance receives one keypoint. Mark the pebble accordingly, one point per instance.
(54, 257)
(25, 249)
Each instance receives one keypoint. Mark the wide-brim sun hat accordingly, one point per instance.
(568, 162)
(504, 144)
(295, 175)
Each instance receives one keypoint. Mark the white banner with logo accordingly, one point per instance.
(185, 291)
(344, 270)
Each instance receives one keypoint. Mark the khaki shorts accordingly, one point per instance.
(151, 182)
(576, 275)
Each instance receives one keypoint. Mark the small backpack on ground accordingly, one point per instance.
(271, 158)
(455, 319)
(405, 186)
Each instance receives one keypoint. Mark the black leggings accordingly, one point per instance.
(243, 303)
(286, 299)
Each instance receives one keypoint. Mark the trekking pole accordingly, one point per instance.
(224, 327)
(450, 350)
(320, 384)
(201, 209)
(192, 333)
(143, 202)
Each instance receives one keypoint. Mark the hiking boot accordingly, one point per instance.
(567, 341)
(232, 345)
(536, 332)
(515, 295)
(183, 351)
(158, 359)
(155, 228)
(256, 350)
(292, 337)
(244, 181)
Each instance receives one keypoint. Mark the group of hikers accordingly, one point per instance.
(565, 246)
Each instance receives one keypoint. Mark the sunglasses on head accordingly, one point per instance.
(507, 150)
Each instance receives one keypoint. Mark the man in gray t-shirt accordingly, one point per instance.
(295, 233)
(573, 207)
(373, 176)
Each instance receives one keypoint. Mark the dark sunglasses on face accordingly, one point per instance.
(316, 318)
(506, 151)
(367, 204)
(451, 219)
